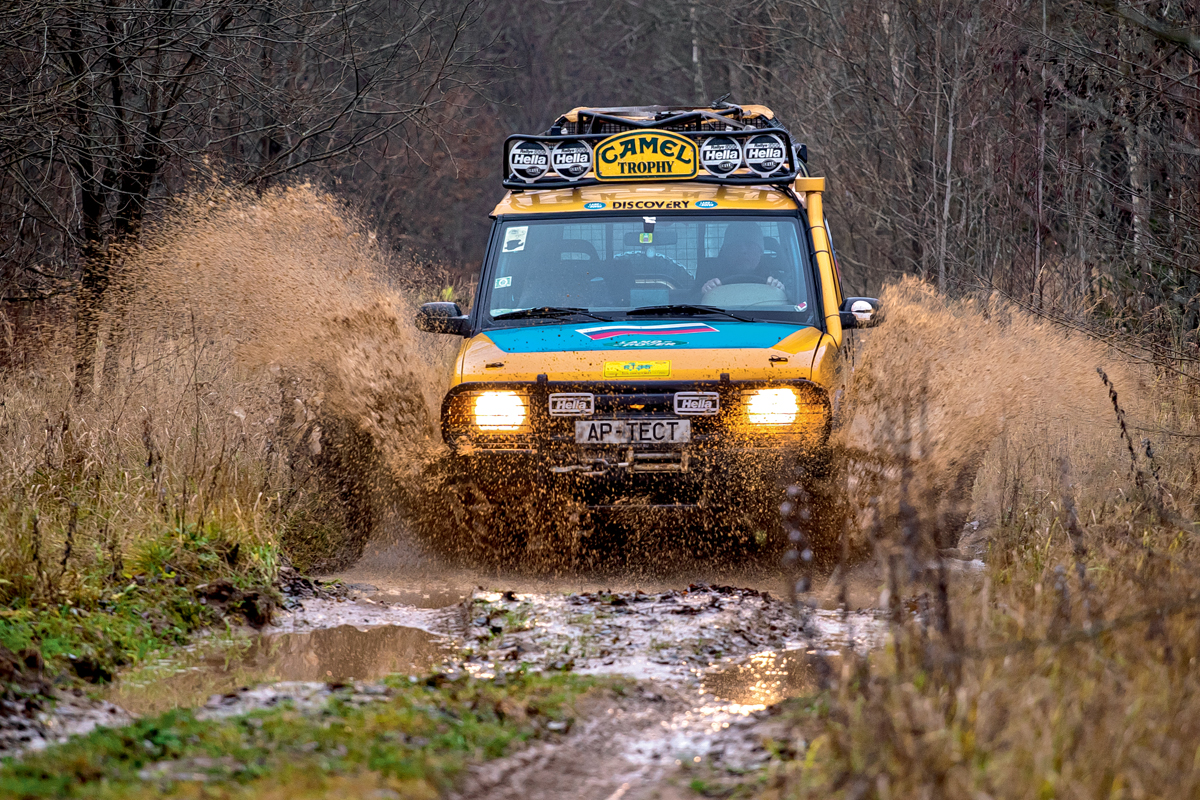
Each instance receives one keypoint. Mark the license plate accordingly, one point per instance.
(633, 431)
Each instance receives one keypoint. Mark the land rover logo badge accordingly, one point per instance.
(571, 159)
(706, 204)
(720, 155)
(529, 160)
(764, 154)
(594, 206)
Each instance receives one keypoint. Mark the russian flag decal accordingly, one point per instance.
(674, 328)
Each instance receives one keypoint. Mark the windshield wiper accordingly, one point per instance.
(684, 310)
(553, 312)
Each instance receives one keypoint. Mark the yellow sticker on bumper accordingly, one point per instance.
(637, 369)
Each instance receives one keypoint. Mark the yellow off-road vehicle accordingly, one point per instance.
(659, 319)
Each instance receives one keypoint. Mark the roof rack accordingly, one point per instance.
(725, 144)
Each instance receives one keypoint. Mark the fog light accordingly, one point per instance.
(772, 407)
(499, 411)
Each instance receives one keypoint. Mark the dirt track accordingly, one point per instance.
(709, 660)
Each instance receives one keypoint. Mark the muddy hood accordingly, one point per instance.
(680, 350)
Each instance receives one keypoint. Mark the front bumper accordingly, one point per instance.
(725, 447)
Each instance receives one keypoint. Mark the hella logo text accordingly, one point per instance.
(697, 403)
(572, 405)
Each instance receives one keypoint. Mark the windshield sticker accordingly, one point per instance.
(503, 283)
(594, 206)
(514, 238)
(802, 307)
(706, 204)
(672, 329)
(637, 369)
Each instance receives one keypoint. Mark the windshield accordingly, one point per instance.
(753, 267)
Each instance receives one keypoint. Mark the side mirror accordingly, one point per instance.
(861, 312)
(442, 318)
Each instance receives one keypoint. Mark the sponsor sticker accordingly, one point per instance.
(644, 343)
(503, 283)
(720, 155)
(764, 154)
(646, 155)
(594, 206)
(514, 239)
(706, 204)
(529, 160)
(637, 369)
(601, 332)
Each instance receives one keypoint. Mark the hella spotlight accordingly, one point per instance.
(765, 154)
(720, 155)
(529, 160)
(571, 159)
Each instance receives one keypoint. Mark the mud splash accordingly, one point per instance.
(299, 288)
(261, 345)
(937, 386)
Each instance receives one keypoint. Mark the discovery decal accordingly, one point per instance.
(626, 205)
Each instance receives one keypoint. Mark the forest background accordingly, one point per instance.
(1049, 151)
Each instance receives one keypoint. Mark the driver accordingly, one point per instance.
(741, 254)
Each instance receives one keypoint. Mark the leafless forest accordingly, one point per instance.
(216, 218)
(1049, 151)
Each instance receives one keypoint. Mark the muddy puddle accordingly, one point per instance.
(340, 654)
(764, 679)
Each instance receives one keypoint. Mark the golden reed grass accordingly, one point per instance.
(260, 374)
(1066, 665)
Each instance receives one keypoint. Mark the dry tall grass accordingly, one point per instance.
(259, 378)
(1066, 667)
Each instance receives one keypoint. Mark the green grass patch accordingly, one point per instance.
(100, 615)
(414, 743)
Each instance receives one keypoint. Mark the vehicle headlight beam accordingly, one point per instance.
(772, 407)
(500, 411)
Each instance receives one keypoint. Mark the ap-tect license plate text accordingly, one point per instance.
(633, 431)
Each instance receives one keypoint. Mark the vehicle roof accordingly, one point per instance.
(652, 112)
(644, 197)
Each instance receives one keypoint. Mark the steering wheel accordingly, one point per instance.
(744, 277)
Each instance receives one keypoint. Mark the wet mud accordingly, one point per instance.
(332, 655)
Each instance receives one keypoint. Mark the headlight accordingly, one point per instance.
(499, 411)
(772, 407)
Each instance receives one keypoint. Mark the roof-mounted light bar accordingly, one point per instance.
(746, 156)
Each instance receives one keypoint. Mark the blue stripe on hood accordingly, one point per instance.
(642, 334)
